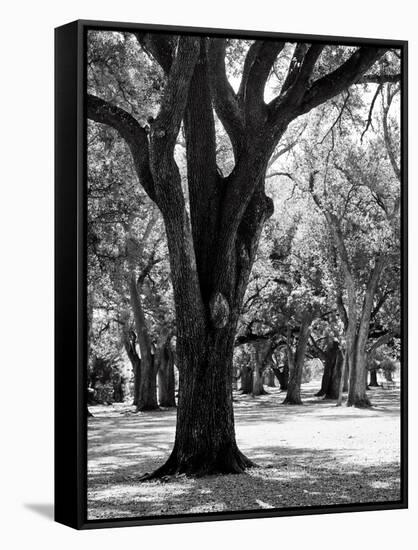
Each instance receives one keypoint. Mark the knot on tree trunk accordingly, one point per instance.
(219, 310)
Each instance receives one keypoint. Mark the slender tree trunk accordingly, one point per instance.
(165, 375)
(137, 380)
(357, 389)
(129, 340)
(246, 379)
(258, 387)
(343, 378)
(147, 398)
(118, 389)
(373, 379)
(147, 394)
(358, 380)
(269, 378)
(282, 374)
(332, 390)
(328, 357)
(326, 376)
(296, 362)
(260, 353)
(388, 375)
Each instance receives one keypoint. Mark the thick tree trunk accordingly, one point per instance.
(205, 436)
(165, 375)
(296, 362)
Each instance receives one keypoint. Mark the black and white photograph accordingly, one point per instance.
(244, 273)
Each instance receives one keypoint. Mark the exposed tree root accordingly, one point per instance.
(263, 392)
(233, 462)
(292, 401)
(148, 408)
(359, 403)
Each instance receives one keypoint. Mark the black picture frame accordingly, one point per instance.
(70, 279)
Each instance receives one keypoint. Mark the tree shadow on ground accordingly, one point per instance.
(304, 459)
(297, 478)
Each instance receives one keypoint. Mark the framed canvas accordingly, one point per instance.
(231, 287)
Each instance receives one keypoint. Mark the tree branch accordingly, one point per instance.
(287, 103)
(131, 131)
(159, 47)
(262, 55)
(379, 78)
(224, 97)
(344, 76)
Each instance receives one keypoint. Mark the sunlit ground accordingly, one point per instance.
(309, 455)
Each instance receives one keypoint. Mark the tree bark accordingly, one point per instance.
(333, 360)
(260, 353)
(282, 374)
(205, 436)
(343, 379)
(246, 379)
(118, 389)
(129, 340)
(269, 378)
(334, 383)
(258, 387)
(165, 376)
(147, 394)
(358, 375)
(373, 379)
(296, 362)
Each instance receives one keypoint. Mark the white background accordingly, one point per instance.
(26, 255)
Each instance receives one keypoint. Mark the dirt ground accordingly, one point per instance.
(308, 455)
